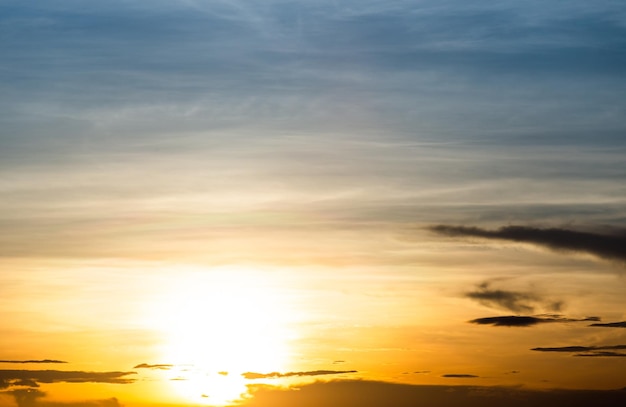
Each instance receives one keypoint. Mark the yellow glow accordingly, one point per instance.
(218, 324)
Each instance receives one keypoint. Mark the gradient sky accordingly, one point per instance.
(373, 202)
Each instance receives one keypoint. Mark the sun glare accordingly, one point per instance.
(218, 324)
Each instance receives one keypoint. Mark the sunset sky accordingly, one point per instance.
(272, 203)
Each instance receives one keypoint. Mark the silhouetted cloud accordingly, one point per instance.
(515, 301)
(459, 375)
(33, 361)
(361, 393)
(162, 366)
(253, 375)
(621, 324)
(31, 378)
(33, 398)
(606, 246)
(518, 320)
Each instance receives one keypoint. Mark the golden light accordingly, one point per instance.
(218, 324)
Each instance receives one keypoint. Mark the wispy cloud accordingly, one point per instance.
(522, 321)
(516, 301)
(605, 246)
(253, 375)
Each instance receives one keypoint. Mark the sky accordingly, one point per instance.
(315, 203)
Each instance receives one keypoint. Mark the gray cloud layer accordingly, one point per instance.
(605, 246)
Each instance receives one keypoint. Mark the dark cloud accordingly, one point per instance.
(273, 375)
(460, 376)
(621, 324)
(361, 393)
(157, 366)
(33, 398)
(32, 378)
(516, 301)
(33, 361)
(519, 320)
(606, 246)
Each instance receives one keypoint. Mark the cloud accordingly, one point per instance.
(32, 378)
(519, 320)
(602, 354)
(605, 246)
(588, 351)
(32, 398)
(621, 324)
(253, 375)
(580, 348)
(33, 361)
(361, 393)
(460, 376)
(516, 301)
(157, 366)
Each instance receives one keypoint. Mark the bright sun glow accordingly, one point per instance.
(220, 323)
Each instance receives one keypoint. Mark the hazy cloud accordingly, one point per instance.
(253, 375)
(360, 393)
(32, 378)
(516, 301)
(621, 324)
(606, 246)
(33, 361)
(520, 320)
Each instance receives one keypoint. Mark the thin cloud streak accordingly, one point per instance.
(273, 375)
(33, 361)
(621, 324)
(524, 321)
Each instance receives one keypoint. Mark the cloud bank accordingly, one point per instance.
(357, 393)
(604, 246)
